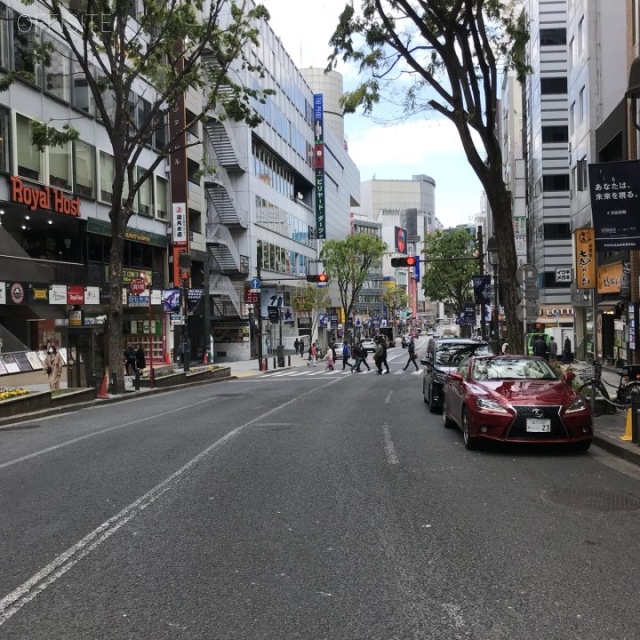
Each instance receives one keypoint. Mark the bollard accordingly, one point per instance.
(635, 407)
(288, 361)
(275, 363)
(136, 380)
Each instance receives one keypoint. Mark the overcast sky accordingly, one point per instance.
(428, 146)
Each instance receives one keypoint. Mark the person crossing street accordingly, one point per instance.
(411, 348)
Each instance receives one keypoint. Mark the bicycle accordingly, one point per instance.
(594, 390)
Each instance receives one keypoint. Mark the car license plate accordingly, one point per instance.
(537, 425)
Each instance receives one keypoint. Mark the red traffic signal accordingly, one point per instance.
(320, 277)
(408, 261)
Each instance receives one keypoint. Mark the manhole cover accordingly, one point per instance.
(592, 499)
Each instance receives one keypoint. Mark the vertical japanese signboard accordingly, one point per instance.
(585, 259)
(318, 118)
(615, 204)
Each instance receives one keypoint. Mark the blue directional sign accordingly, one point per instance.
(254, 283)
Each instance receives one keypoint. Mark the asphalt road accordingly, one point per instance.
(328, 507)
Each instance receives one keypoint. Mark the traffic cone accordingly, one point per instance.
(103, 395)
(627, 437)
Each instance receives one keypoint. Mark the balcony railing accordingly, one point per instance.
(41, 271)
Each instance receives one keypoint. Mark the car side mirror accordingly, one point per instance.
(457, 377)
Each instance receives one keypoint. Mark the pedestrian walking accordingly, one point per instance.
(567, 355)
(302, 347)
(296, 346)
(384, 362)
(553, 349)
(53, 367)
(313, 352)
(540, 347)
(141, 361)
(413, 356)
(377, 357)
(361, 358)
(330, 359)
(346, 352)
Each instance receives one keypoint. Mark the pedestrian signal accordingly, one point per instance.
(408, 261)
(320, 277)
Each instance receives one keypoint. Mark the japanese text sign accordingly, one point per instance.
(585, 258)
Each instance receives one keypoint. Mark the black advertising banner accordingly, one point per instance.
(615, 204)
(318, 164)
(482, 289)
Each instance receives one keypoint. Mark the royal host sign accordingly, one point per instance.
(48, 198)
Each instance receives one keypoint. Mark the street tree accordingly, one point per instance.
(137, 66)
(449, 264)
(348, 262)
(395, 299)
(444, 56)
(313, 300)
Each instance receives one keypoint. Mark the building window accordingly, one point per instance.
(571, 53)
(107, 175)
(24, 41)
(29, 158)
(572, 117)
(582, 174)
(581, 36)
(162, 198)
(145, 194)
(555, 182)
(4, 37)
(550, 86)
(5, 139)
(550, 37)
(84, 162)
(160, 134)
(57, 73)
(60, 171)
(582, 106)
(557, 231)
(555, 134)
(82, 97)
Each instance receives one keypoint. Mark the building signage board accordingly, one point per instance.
(92, 295)
(179, 223)
(58, 294)
(585, 258)
(3, 293)
(610, 278)
(75, 294)
(38, 197)
(318, 117)
(615, 204)
(563, 275)
(400, 239)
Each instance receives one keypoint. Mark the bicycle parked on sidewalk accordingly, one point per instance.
(594, 390)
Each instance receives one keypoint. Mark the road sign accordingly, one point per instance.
(527, 311)
(138, 286)
(254, 283)
(527, 274)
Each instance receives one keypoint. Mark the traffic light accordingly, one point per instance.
(407, 261)
(321, 278)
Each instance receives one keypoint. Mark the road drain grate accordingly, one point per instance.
(592, 499)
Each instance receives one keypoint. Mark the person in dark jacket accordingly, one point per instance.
(567, 356)
(384, 355)
(141, 362)
(411, 348)
(540, 347)
(130, 360)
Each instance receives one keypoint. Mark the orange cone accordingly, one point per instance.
(103, 395)
(627, 437)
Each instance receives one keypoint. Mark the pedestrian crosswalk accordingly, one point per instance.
(318, 372)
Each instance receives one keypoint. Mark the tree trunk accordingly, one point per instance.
(115, 355)
(500, 201)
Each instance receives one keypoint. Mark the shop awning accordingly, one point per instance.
(609, 304)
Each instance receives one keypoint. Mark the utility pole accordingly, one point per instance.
(258, 275)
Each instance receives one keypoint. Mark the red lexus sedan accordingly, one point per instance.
(515, 399)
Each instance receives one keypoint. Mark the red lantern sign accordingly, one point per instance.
(138, 286)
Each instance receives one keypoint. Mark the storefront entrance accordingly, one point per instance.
(86, 350)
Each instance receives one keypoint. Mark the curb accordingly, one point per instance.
(617, 449)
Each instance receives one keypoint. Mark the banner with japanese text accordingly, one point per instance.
(585, 258)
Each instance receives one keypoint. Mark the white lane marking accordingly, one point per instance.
(389, 449)
(388, 398)
(35, 454)
(26, 592)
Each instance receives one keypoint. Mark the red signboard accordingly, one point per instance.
(75, 294)
(138, 286)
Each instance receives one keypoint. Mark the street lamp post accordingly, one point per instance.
(494, 261)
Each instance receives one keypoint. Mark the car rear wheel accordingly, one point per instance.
(469, 443)
(432, 406)
(447, 423)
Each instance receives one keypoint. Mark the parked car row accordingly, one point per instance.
(510, 398)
